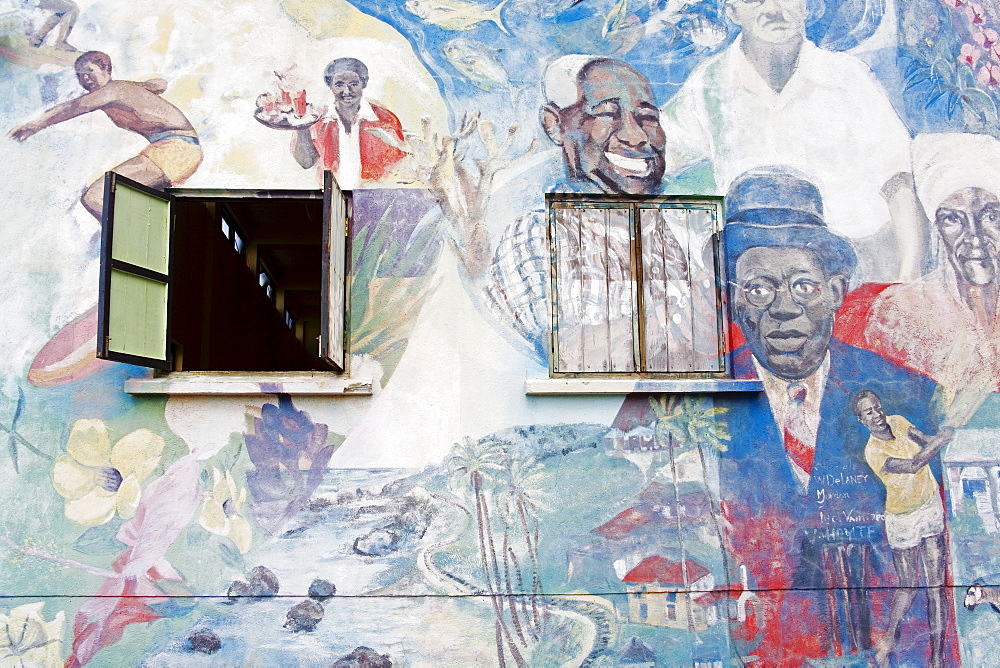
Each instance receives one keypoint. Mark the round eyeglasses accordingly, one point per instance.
(762, 292)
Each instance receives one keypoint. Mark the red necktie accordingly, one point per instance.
(797, 431)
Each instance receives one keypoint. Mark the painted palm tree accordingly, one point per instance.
(519, 489)
(474, 465)
(689, 420)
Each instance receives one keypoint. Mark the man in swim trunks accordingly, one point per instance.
(899, 454)
(174, 152)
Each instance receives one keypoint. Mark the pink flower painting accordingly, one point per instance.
(167, 507)
(989, 74)
(969, 55)
(974, 12)
(986, 38)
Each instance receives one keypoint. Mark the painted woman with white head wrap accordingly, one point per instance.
(948, 324)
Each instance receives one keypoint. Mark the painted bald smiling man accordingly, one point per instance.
(611, 136)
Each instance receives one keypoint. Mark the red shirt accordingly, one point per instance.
(376, 155)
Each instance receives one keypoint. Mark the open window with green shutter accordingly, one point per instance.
(134, 299)
(224, 280)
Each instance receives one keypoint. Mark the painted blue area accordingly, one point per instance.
(24, 90)
(988, 415)
(98, 395)
(394, 225)
(846, 24)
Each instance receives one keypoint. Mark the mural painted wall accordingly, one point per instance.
(844, 514)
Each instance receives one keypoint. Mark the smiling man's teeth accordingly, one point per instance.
(634, 165)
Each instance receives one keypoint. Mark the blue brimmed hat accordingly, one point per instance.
(775, 207)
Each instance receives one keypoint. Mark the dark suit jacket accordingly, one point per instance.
(778, 529)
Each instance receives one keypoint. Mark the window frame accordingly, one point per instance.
(265, 280)
(634, 204)
(333, 347)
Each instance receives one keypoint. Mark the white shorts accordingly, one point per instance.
(906, 530)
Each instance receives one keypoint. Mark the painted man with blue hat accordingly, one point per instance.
(804, 508)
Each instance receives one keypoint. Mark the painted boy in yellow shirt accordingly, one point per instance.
(898, 453)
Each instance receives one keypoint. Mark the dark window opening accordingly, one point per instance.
(267, 294)
(232, 311)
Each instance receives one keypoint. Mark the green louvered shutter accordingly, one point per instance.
(335, 215)
(134, 299)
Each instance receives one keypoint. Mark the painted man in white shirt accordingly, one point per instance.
(773, 97)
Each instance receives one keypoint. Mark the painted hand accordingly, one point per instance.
(22, 132)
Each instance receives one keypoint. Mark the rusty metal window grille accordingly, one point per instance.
(636, 286)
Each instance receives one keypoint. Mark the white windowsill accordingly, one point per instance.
(215, 383)
(629, 386)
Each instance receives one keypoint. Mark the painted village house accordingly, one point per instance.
(663, 583)
(515, 333)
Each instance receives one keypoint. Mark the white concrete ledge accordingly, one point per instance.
(236, 383)
(628, 386)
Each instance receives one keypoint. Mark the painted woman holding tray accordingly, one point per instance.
(343, 141)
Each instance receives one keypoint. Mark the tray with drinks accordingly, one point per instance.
(286, 112)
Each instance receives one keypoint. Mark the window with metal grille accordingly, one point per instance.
(636, 286)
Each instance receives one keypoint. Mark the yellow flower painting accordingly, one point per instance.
(99, 480)
(26, 639)
(220, 513)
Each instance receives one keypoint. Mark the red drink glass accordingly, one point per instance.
(299, 104)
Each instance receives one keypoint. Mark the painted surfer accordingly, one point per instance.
(174, 152)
